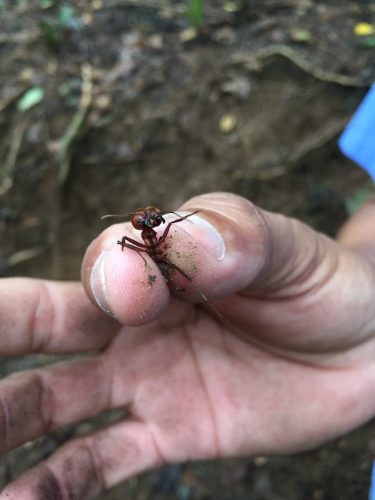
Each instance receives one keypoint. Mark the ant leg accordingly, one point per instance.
(167, 264)
(166, 274)
(133, 245)
(133, 242)
(165, 234)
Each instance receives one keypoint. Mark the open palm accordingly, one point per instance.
(289, 367)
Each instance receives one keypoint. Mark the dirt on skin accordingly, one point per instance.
(138, 109)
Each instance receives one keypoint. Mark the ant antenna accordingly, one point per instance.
(169, 212)
(108, 216)
(178, 215)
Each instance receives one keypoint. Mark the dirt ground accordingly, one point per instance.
(135, 108)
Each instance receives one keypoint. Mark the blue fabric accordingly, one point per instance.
(372, 487)
(358, 139)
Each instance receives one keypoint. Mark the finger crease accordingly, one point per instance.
(45, 403)
(40, 337)
(96, 461)
(108, 369)
(206, 392)
(4, 423)
(162, 461)
(49, 486)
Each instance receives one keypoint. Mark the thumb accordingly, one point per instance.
(265, 254)
(229, 246)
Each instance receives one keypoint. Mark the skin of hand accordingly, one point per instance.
(291, 366)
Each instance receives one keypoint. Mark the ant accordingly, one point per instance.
(145, 219)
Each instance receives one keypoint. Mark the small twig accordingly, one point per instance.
(24, 255)
(76, 129)
(351, 8)
(262, 171)
(10, 99)
(25, 38)
(302, 63)
(114, 4)
(7, 171)
(319, 139)
(76, 126)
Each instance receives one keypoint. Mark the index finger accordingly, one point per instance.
(50, 317)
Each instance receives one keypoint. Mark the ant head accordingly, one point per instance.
(143, 218)
(148, 217)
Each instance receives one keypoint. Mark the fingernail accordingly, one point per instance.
(98, 283)
(211, 239)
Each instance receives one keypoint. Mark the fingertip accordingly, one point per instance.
(121, 283)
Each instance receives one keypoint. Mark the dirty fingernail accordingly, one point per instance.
(211, 238)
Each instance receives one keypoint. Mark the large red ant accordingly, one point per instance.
(145, 219)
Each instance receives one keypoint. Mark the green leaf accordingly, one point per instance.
(51, 34)
(354, 202)
(66, 15)
(368, 41)
(46, 4)
(30, 98)
(300, 35)
(195, 12)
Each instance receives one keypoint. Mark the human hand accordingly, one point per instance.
(291, 366)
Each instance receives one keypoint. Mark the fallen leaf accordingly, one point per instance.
(364, 29)
(30, 98)
(368, 41)
(231, 7)
(227, 123)
(238, 86)
(188, 35)
(300, 35)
